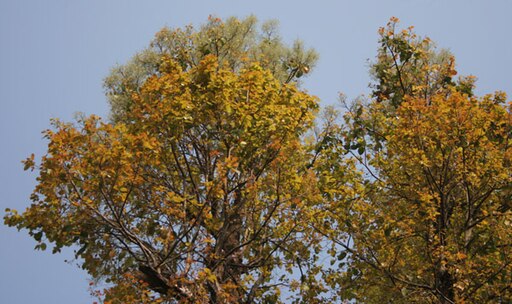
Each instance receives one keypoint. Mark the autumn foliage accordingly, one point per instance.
(214, 184)
(433, 222)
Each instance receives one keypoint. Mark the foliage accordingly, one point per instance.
(200, 197)
(212, 184)
(234, 42)
(408, 65)
(431, 219)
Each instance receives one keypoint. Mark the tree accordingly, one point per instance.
(431, 217)
(199, 198)
(234, 42)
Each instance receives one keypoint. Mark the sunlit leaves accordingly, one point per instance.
(431, 221)
(198, 196)
(233, 43)
(212, 183)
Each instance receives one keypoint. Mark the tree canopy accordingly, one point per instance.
(214, 181)
(197, 196)
(233, 42)
(431, 219)
(432, 223)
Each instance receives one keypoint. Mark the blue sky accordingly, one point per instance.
(55, 53)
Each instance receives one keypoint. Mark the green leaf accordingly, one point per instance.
(38, 236)
(342, 255)
(81, 250)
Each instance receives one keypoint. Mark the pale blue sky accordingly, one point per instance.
(54, 54)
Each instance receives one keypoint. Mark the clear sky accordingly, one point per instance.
(55, 53)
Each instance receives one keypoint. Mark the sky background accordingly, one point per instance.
(55, 53)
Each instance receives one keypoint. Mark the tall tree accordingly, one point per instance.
(201, 197)
(431, 217)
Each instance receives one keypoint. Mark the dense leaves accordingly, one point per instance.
(433, 223)
(200, 197)
(233, 42)
(431, 217)
(211, 182)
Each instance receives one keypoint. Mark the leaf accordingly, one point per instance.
(81, 250)
(341, 255)
(38, 236)
(29, 163)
